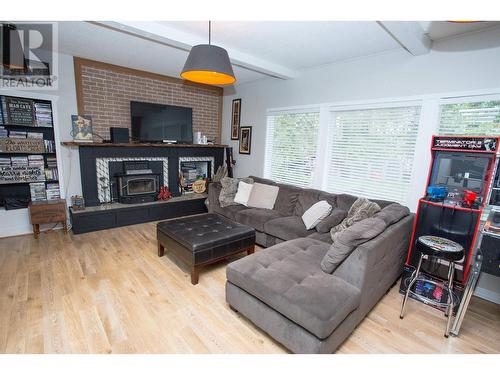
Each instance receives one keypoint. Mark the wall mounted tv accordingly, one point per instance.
(161, 123)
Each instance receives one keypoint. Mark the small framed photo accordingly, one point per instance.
(235, 119)
(245, 140)
(81, 128)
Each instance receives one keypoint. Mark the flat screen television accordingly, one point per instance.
(160, 123)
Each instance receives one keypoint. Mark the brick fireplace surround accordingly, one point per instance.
(104, 92)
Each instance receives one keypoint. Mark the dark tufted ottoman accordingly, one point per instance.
(203, 239)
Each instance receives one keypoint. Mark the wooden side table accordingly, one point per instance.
(48, 211)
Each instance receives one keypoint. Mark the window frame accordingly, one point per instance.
(428, 126)
(394, 104)
(298, 110)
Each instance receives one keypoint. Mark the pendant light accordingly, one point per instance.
(208, 64)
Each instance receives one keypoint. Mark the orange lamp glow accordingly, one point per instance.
(208, 77)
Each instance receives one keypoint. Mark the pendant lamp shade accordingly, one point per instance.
(208, 64)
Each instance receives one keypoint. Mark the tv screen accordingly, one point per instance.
(159, 122)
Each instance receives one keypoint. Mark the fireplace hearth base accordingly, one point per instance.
(114, 215)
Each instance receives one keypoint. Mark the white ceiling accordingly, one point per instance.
(442, 29)
(297, 45)
(257, 49)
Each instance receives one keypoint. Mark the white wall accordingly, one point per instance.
(463, 64)
(16, 222)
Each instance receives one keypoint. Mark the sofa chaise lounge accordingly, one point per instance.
(283, 290)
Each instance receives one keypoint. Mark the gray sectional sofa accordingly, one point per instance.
(283, 290)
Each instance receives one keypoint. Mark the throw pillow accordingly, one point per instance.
(263, 196)
(344, 242)
(335, 217)
(393, 213)
(314, 214)
(361, 209)
(243, 193)
(229, 190)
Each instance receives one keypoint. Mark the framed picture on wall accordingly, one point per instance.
(235, 119)
(81, 128)
(245, 140)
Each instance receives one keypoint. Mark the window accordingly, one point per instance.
(473, 118)
(372, 152)
(291, 145)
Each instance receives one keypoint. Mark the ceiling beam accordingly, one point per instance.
(185, 41)
(409, 34)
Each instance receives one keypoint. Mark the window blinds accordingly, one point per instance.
(372, 151)
(473, 118)
(291, 145)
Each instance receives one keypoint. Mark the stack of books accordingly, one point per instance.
(52, 191)
(3, 110)
(51, 174)
(51, 162)
(37, 191)
(19, 161)
(50, 146)
(3, 132)
(35, 160)
(43, 114)
(4, 162)
(17, 134)
(34, 135)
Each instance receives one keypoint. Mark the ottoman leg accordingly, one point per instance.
(161, 250)
(251, 250)
(195, 273)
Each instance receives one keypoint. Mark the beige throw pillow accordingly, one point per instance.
(314, 214)
(263, 196)
(243, 193)
(229, 190)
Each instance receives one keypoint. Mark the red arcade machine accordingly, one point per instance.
(457, 188)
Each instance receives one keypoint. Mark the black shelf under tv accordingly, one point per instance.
(39, 110)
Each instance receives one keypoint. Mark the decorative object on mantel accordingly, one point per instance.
(235, 119)
(164, 194)
(77, 202)
(81, 128)
(208, 64)
(245, 140)
(220, 174)
(182, 182)
(200, 186)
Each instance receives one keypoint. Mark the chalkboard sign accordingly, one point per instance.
(22, 145)
(19, 111)
(12, 175)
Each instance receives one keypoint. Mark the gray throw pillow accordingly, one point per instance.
(393, 213)
(229, 190)
(361, 209)
(346, 241)
(335, 217)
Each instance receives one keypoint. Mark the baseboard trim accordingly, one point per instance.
(487, 295)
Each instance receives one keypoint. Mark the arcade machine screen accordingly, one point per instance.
(459, 172)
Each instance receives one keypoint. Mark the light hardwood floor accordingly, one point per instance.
(108, 292)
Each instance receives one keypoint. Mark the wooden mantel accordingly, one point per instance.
(102, 144)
